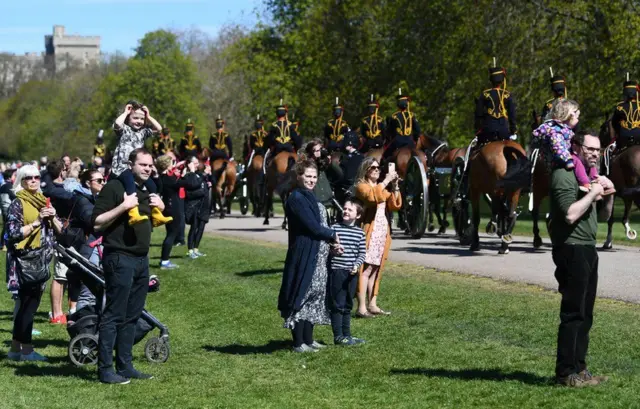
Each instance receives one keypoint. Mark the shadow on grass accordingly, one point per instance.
(259, 272)
(44, 370)
(43, 343)
(494, 374)
(236, 349)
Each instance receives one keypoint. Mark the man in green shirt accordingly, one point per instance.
(573, 229)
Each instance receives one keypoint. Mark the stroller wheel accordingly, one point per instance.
(83, 350)
(157, 350)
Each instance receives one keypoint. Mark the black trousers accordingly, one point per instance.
(577, 276)
(126, 284)
(173, 229)
(195, 233)
(342, 289)
(179, 217)
(26, 306)
(4, 230)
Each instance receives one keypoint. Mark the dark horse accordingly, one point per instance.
(500, 169)
(280, 178)
(440, 156)
(624, 171)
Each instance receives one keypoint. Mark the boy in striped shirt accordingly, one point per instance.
(347, 257)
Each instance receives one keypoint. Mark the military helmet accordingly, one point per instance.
(558, 84)
(630, 89)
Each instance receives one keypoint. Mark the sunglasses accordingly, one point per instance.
(374, 168)
(101, 181)
(30, 178)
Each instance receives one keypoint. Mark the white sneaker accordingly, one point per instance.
(316, 345)
(304, 348)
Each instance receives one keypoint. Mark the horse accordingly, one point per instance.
(280, 177)
(255, 183)
(541, 183)
(624, 172)
(225, 184)
(441, 156)
(500, 169)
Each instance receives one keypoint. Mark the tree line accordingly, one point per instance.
(310, 52)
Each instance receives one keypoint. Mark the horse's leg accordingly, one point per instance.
(433, 192)
(475, 221)
(268, 198)
(608, 243)
(509, 222)
(283, 199)
(631, 234)
(535, 215)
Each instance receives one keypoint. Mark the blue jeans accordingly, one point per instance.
(126, 284)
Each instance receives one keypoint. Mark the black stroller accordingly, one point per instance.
(83, 324)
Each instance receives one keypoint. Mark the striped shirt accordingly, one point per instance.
(354, 243)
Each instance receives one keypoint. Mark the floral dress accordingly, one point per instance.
(378, 239)
(314, 306)
(554, 139)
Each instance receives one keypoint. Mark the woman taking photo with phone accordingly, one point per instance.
(379, 199)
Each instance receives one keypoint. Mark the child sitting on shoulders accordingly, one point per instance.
(554, 136)
(132, 133)
(346, 260)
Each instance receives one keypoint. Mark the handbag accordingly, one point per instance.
(32, 265)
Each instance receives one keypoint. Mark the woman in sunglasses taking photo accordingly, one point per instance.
(31, 224)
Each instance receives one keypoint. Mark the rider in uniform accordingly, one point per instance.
(163, 143)
(258, 138)
(495, 116)
(335, 129)
(372, 128)
(282, 135)
(100, 149)
(402, 127)
(626, 118)
(220, 143)
(190, 143)
(558, 87)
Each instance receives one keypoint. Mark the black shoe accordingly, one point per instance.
(134, 374)
(113, 378)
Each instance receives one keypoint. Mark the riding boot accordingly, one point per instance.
(158, 219)
(135, 217)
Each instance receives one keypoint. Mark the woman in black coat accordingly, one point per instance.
(302, 299)
(197, 203)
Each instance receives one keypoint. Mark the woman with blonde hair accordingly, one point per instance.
(31, 223)
(379, 198)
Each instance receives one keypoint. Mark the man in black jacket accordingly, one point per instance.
(126, 268)
(349, 165)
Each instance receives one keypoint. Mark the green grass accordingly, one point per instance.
(453, 341)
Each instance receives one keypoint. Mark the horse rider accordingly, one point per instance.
(372, 127)
(402, 127)
(282, 135)
(626, 118)
(335, 129)
(100, 149)
(257, 143)
(220, 143)
(163, 144)
(559, 89)
(190, 143)
(495, 116)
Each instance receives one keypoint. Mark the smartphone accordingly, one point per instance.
(392, 167)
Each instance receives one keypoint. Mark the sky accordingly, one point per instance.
(119, 23)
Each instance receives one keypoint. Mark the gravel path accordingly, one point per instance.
(619, 274)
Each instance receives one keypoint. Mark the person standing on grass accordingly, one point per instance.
(302, 299)
(126, 267)
(343, 279)
(197, 203)
(573, 227)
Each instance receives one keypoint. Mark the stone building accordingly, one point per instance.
(63, 50)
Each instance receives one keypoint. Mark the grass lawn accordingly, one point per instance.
(453, 341)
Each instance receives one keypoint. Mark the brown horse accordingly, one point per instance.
(441, 156)
(279, 177)
(624, 172)
(500, 169)
(225, 184)
(255, 183)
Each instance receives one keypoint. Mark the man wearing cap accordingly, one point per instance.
(282, 135)
(372, 128)
(220, 142)
(495, 116)
(258, 139)
(626, 118)
(402, 127)
(349, 165)
(190, 143)
(335, 129)
(163, 144)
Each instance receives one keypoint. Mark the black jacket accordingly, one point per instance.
(197, 197)
(169, 190)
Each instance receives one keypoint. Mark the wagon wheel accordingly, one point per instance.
(460, 209)
(415, 198)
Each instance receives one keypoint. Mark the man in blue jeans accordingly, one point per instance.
(126, 268)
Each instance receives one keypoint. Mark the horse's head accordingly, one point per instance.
(605, 135)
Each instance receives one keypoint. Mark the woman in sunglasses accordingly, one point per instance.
(31, 224)
(380, 198)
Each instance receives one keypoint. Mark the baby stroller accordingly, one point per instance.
(83, 324)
